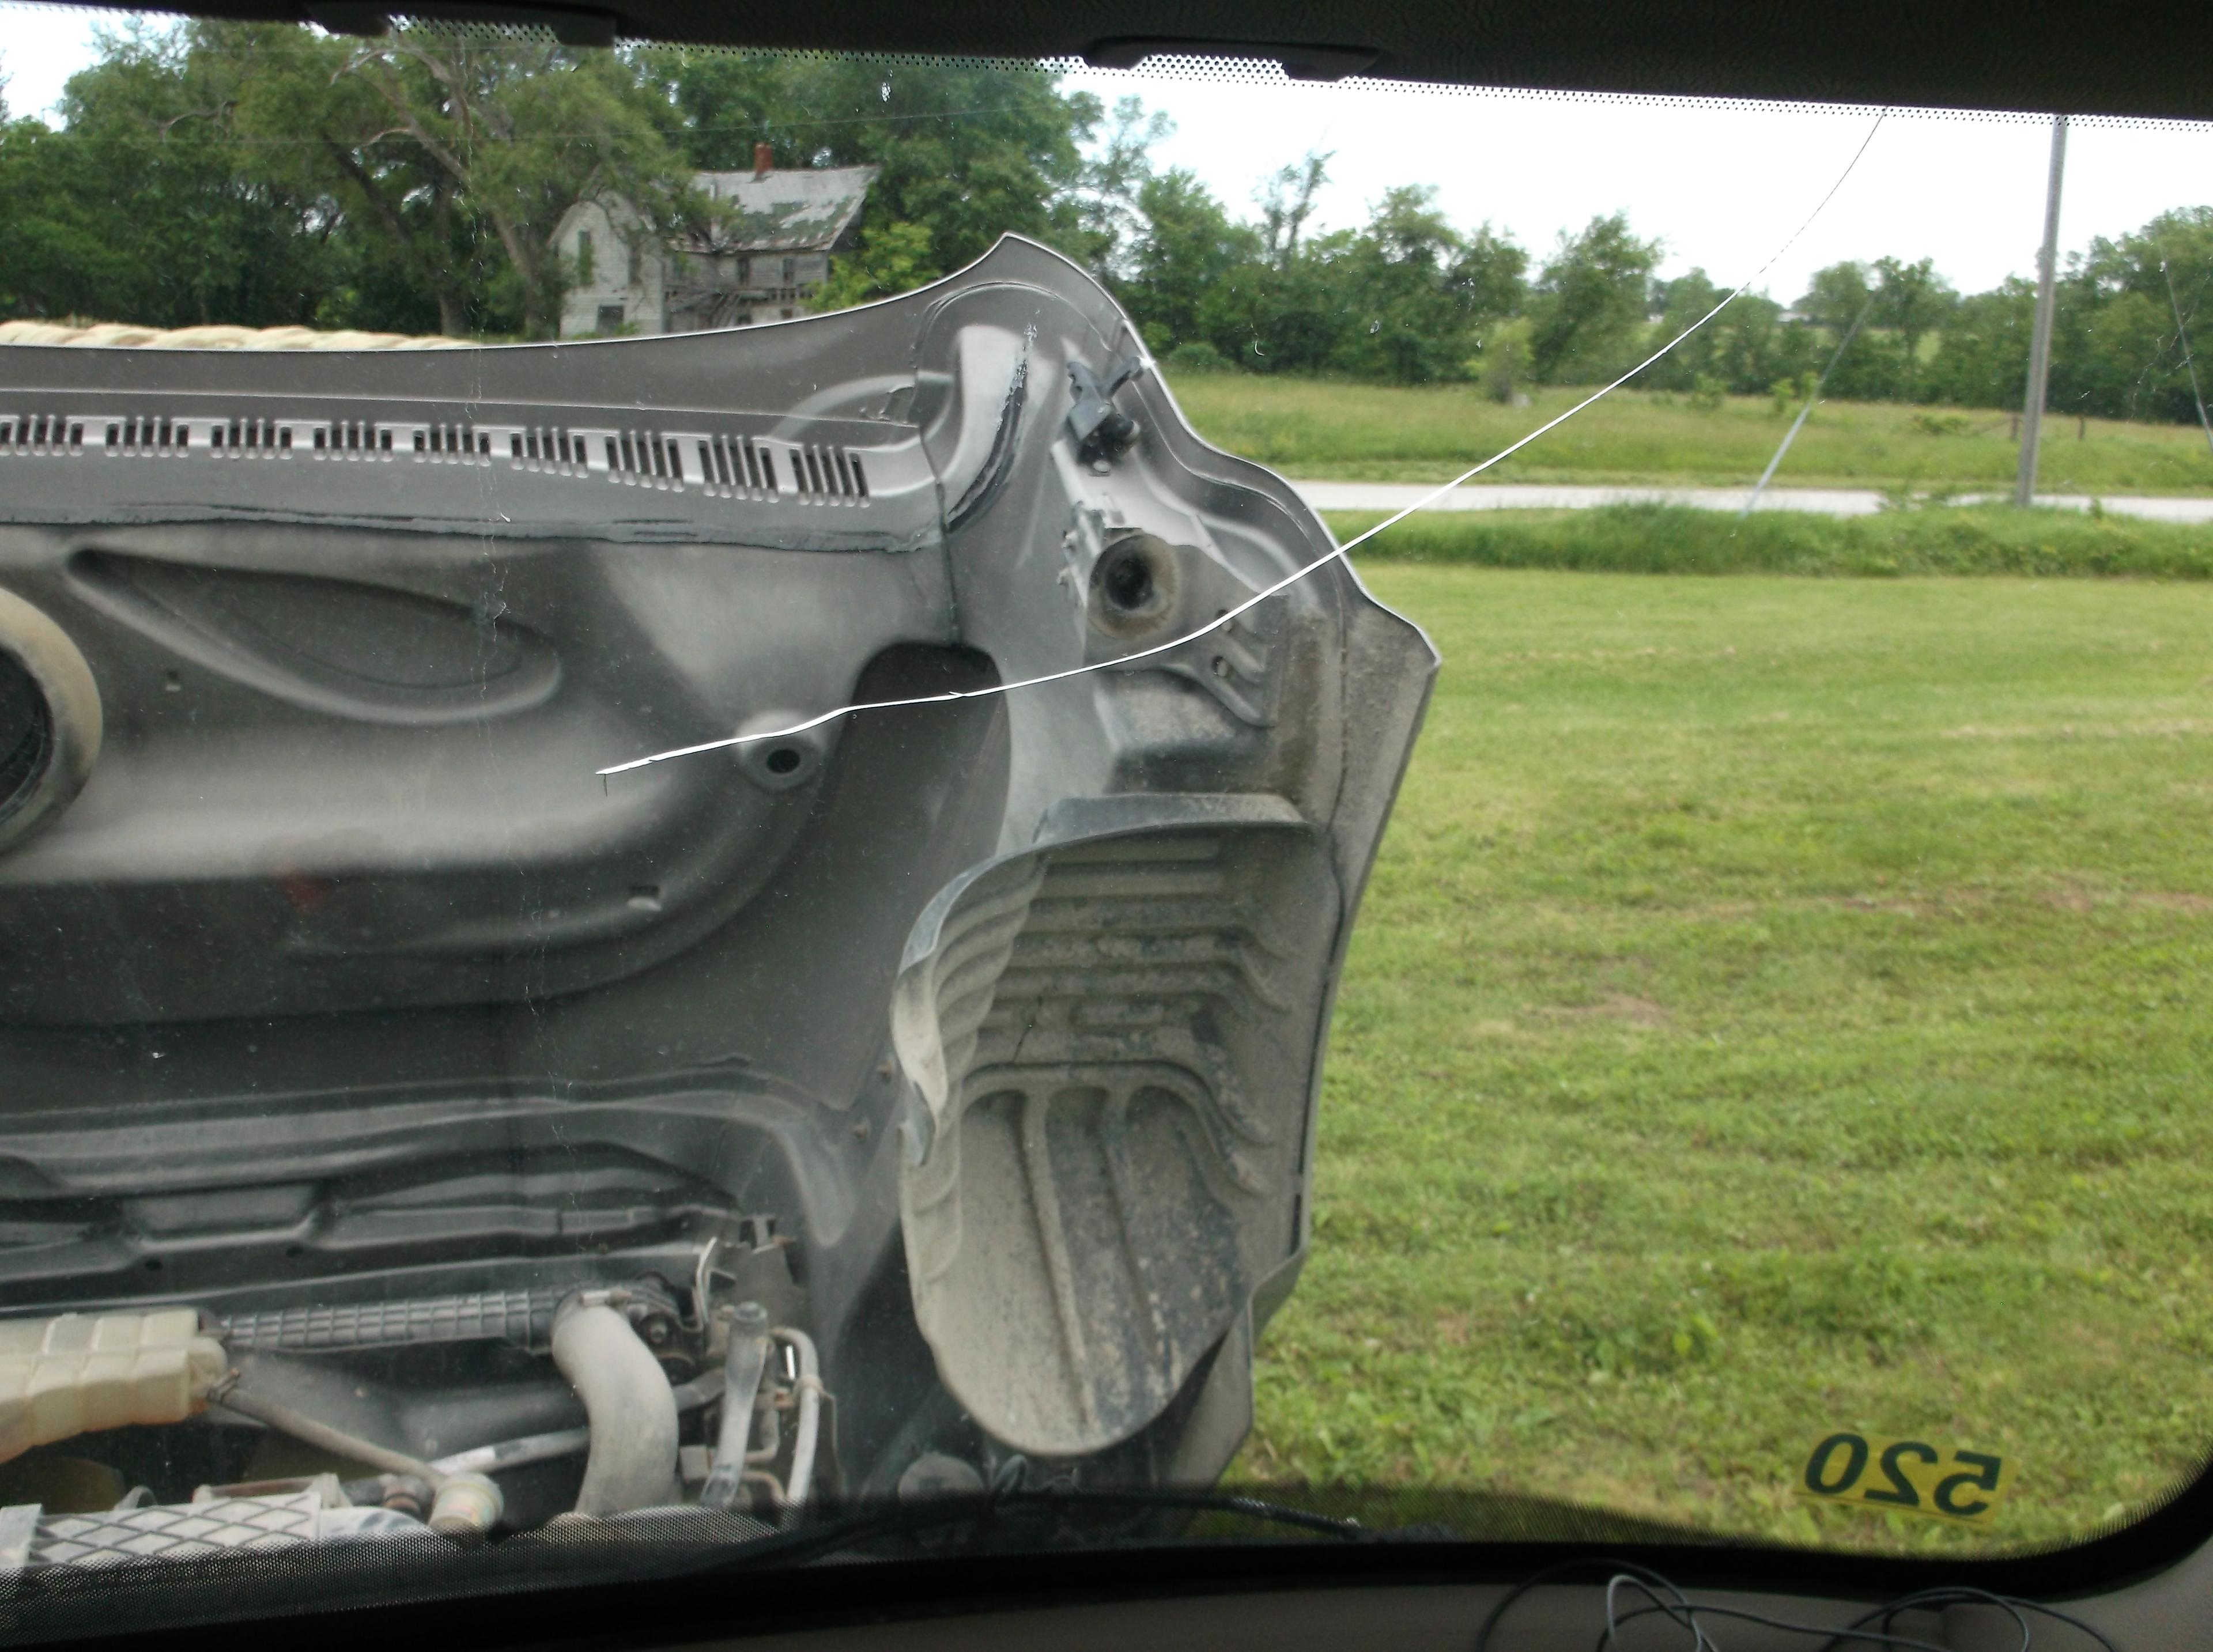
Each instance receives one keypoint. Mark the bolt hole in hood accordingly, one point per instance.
(344, 1000)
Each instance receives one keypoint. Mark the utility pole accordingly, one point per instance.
(2040, 346)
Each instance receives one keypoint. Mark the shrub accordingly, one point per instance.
(1789, 393)
(1197, 356)
(1504, 363)
(1675, 540)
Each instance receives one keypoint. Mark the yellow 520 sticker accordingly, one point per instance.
(1911, 1476)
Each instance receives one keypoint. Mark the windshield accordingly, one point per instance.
(747, 790)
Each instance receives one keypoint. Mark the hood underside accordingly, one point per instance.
(333, 971)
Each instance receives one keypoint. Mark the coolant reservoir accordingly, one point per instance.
(78, 1372)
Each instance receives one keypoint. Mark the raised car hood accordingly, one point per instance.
(330, 964)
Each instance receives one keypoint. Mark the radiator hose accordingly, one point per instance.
(628, 1404)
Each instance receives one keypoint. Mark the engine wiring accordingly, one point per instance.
(1873, 1627)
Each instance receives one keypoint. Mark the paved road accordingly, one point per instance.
(1827, 502)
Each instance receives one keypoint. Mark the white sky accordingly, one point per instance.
(1722, 186)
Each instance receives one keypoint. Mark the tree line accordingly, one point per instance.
(269, 175)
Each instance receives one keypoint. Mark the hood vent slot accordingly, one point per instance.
(149, 436)
(351, 438)
(40, 433)
(739, 462)
(451, 443)
(829, 472)
(645, 456)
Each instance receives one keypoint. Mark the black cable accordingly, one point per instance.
(1684, 1614)
(1669, 1601)
(1836, 1636)
(2073, 1622)
(1936, 1599)
(1962, 1594)
(1536, 1580)
(2056, 1616)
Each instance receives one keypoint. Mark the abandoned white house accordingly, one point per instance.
(761, 254)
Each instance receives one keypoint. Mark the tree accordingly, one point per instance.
(1186, 245)
(1836, 296)
(1845, 297)
(2117, 351)
(2176, 245)
(444, 138)
(1908, 302)
(1491, 275)
(1896, 306)
(414, 266)
(1681, 302)
(201, 234)
(1749, 347)
(1910, 298)
(891, 259)
(1745, 348)
(1278, 318)
(1287, 202)
(1983, 358)
(1417, 290)
(2163, 270)
(1109, 214)
(1284, 311)
(1588, 308)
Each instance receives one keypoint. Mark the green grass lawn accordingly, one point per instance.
(1781, 1005)
(1327, 430)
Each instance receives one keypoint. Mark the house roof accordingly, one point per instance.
(801, 210)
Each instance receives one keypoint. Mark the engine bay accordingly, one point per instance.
(498, 1408)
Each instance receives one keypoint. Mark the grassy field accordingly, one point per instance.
(1677, 539)
(1327, 431)
(1780, 1006)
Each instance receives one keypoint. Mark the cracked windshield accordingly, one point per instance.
(788, 804)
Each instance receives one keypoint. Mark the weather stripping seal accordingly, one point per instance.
(1001, 460)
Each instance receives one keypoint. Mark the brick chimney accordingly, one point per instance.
(763, 158)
